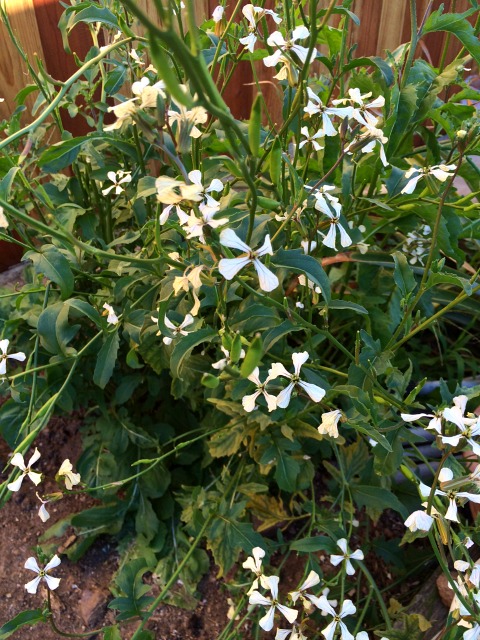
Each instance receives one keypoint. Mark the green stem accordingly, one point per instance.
(376, 590)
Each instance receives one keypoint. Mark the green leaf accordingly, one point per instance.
(61, 154)
(129, 580)
(377, 499)
(403, 275)
(226, 537)
(6, 183)
(93, 14)
(345, 305)
(226, 442)
(30, 617)
(184, 347)
(54, 266)
(314, 544)
(97, 520)
(106, 360)
(383, 67)
(146, 187)
(111, 633)
(457, 24)
(85, 309)
(54, 331)
(295, 260)
(276, 333)
(402, 117)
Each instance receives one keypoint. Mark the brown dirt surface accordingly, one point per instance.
(80, 602)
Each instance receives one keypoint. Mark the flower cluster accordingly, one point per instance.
(309, 601)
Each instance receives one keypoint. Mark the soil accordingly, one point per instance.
(80, 602)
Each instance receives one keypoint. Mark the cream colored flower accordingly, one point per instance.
(71, 478)
(171, 191)
(3, 219)
(329, 424)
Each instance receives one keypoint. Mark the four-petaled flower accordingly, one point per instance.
(312, 139)
(272, 603)
(439, 171)
(346, 557)
(446, 476)
(18, 461)
(4, 356)
(253, 15)
(335, 225)
(277, 369)
(315, 106)
(229, 267)
(307, 598)
(177, 330)
(277, 40)
(360, 113)
(248, 402)
(347, 609)
(216, 185)
(42, 574)
(117, 178)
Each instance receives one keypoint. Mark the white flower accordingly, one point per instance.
(307, 598)
(375, 136)
(468, 427)
(18, 461)
(148, 94)
(134, 55)
(3, 219)
(360, 113)
(254, 563)
(473, 633)
(42, 512)
(124, 113)
(52, 583)
(71, 478)
(335, 225)
(253, 15)
(419, 521)
(316, 106)
(445, 476)
(356, 555)
(194, 225)
(329, 424)
(190, 278)
(439, 171)
(435, 422)
(294, 633)
(4, 356)
(177, 330)
(277, 369)
(117, 178)
(112, 317)
(272, 603)
(276, 39)
(171, 191)
(229, 267)
(308, 246)
(188, 118)
(248, 402)
(215, 185)
(347, 609)
(312, 139)
(217, 14)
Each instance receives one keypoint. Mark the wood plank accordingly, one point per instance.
(13, 71)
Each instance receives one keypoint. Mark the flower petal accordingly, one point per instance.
(32, 586)
(315, 392)
(52, 583)
(229, 267)
(54, 562)
(284, 396)
(229, 238)
(268, 281)
(32, 564)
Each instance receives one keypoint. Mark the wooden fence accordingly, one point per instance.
(384, 24)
